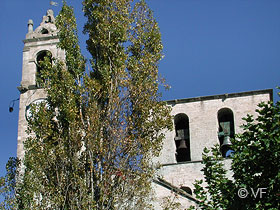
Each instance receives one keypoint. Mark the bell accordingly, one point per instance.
(226, 142)
(226, 127)
(226, 147)
(183, 144)
(181, 134)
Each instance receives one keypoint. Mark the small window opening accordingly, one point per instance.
(226, 131)
(182, 138)
(41, 57)
(44, 31)
(186, 189)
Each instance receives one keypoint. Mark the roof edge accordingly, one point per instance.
(222, 96)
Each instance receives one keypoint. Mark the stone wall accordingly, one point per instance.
(203, 127)
(203, 119)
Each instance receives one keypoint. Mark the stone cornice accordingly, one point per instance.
(222, 96)
(43, 38)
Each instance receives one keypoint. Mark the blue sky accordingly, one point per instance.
(210, 46)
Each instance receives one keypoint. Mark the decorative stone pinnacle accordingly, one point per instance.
(46, 28)
(49, 17)
(30, 26)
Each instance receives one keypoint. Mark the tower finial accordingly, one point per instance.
(30, 26)
(49, 17)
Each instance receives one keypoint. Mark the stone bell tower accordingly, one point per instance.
(38, 44)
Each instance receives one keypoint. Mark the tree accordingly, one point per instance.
(255, 165)
(7, 185)
(91, 142)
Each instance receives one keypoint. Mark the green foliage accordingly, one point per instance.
(91, 143)
(8, 185)
(255, 167)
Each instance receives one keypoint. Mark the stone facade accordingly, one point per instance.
(202, 113)
(42, 39)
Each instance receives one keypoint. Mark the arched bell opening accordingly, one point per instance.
(42, 56)
(226, 131)
(44, 31)
(182, 138)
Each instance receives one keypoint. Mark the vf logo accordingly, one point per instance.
(243, 192)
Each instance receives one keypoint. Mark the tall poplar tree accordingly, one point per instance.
(92, 142)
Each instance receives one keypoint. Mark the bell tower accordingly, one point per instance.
(38, 44)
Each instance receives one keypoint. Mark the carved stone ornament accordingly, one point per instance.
(46, 28)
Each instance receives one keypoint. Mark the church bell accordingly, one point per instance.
(225, 134)
(183, 144)
(226, 142)
(182, 135)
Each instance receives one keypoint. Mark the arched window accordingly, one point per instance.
(41, 57)
(226, 130)
(44, 31)
(182, 138)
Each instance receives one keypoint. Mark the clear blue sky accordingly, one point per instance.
(210, 46)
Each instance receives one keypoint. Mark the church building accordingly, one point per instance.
(197, 122)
